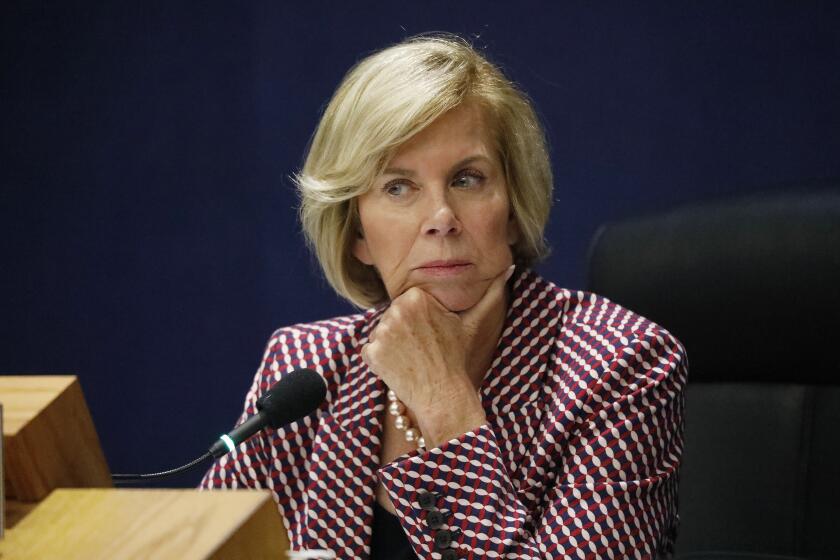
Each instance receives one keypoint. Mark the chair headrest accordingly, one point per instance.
(751, 286)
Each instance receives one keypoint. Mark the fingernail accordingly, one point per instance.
(509, 272)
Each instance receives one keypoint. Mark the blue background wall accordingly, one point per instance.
(149, 238)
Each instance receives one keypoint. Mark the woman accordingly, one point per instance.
(475, 409)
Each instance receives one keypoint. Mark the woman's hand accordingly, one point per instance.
(432, 358)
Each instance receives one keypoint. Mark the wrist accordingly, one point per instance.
(451, 417)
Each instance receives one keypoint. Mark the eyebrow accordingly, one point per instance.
(412, 173)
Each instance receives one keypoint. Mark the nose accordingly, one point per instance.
(442, 219)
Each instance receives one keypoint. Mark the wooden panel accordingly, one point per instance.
(179, 524)
(25, 396)
(251, 540)
(50, 440)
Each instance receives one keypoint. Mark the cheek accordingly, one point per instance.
(496, 233)
(388, 239)
(388, 236)
(495, 223)
(375, 223)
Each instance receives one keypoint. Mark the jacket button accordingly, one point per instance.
(449, 555)
(427, 500)
(443, 539)
(434, 519)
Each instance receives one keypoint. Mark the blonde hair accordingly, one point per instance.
(383, 101)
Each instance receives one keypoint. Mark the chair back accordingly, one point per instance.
(752, 289)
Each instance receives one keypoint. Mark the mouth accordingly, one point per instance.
(444, 267)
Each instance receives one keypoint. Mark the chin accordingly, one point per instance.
(456, 298)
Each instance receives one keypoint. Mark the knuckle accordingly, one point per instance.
(395, 313)
(414, 295)
(369, 354)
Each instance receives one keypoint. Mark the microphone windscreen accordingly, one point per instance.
(296, 395)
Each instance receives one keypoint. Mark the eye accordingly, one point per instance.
(468, 178)
(396, 188)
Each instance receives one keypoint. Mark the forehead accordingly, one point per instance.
(457, 134)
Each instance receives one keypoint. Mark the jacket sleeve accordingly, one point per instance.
(612, 490)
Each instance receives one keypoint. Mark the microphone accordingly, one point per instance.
(296, 395)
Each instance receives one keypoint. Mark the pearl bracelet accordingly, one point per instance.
(397, 409)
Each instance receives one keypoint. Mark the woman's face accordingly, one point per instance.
(438, 218)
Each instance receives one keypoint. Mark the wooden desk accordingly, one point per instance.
(108, 524)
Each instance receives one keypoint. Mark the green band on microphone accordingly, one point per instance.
(229, 442)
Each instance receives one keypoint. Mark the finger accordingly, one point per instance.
(415, 298)
(473, 316)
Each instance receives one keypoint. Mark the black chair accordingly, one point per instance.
(752, 289)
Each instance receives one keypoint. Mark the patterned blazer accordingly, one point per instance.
(579, 457)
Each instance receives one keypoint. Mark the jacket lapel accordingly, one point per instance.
(345, 457)
(514, 392)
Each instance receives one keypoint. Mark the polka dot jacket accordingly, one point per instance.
(579, 457)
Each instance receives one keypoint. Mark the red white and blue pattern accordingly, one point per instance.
(579, 458)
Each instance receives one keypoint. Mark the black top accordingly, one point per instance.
(389, 540)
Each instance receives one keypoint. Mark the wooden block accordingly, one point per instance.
(50, 441)
(105, 524)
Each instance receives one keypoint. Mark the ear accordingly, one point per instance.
(361, 250)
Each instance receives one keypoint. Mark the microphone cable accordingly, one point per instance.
(296, 395)
(129, 478)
